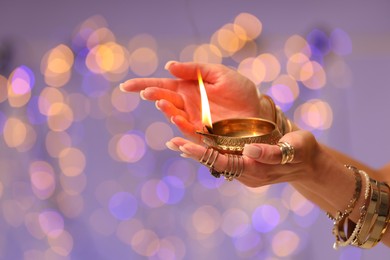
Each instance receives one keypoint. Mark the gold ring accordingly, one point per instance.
(234, 167)
(208, 159)
(211, 156)
(287, 152)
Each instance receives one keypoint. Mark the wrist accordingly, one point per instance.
(328, 178)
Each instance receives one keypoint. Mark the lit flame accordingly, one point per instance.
(206, 115)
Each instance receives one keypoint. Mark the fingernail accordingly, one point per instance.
(184, 150)
(141, 94)
(252, 151)
(184, 155)
(168, 64)
(121, 87)
(172, 146)
(156, 105)
(172, 121)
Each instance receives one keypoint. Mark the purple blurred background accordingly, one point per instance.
(84, 172)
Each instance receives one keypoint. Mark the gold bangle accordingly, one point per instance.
(380, 225)
(283, 122)
(388, 213)
(339, 222)
(370, 215)
(373, 221)
(341, 238)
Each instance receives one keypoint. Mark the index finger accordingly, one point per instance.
(138, 84)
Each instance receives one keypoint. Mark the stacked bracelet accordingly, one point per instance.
(379, 226)
(341, 217)
(278, 117)
(283, 122)
(374, 215)
(351, 205)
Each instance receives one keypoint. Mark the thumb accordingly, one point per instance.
(263, 153)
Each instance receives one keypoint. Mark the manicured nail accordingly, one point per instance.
(141, 94)
(184, 155)
(156, 105)
(184, 150)
(168, 64)
(251, 151)
(172, 121)
(172, 146)
(121, 87)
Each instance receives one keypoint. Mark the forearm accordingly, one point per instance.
(331, 185)
(335, 185)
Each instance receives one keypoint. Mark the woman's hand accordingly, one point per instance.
(262, 162)
(230, 95)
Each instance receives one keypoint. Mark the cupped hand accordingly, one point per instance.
(262, 162)
(230, 94)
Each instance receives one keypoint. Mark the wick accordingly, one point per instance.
(209, 129)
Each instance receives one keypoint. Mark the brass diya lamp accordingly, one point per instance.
(230, 135)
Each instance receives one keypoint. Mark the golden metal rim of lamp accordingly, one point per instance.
(230, 135)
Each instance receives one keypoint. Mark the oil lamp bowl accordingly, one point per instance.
(230, 135)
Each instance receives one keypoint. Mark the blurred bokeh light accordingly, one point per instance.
(94, 173)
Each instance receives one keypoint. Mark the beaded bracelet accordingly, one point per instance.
(370, 215)
(373, 221)
(339, 222)
(358, 187)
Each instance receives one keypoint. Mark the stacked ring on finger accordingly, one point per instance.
(287, 152)
(234, 168)
(208, 159)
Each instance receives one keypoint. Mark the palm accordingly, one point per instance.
(228, 97)
(229, 93)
